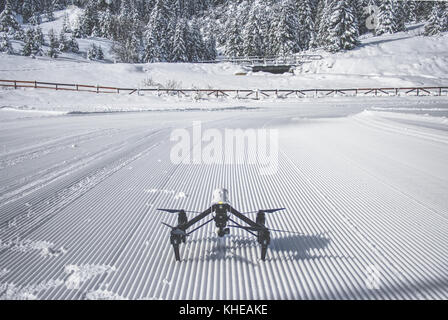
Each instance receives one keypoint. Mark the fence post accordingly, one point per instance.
(77, 88)
(56, 87)
(97, 88)
(396, 91)
(440, 91)
(35, 84)
(118, 90)
(15, 84)
(418, 91)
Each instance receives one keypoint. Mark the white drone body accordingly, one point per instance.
(220, 196)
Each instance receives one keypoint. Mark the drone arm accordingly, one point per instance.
(197, 218)
(244, 218)
(263, 235)
(199, 227)
(242, 227)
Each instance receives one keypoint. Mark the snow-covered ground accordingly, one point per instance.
(366, 189)
(364, 181)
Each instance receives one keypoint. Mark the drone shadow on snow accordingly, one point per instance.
(291, 247)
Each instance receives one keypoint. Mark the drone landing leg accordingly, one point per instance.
(176, 252)
(264, 249)
(264, 238)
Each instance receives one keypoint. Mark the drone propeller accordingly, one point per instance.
(272, 210)
(265, 210)
(260, 229)
(177, 210)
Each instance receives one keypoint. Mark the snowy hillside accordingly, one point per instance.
(398, 60)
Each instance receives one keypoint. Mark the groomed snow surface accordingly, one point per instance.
(365, 187)
(364, 180)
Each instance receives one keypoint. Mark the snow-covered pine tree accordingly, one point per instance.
(91, 52)
(266, 16)
(99, 53)
(387, 20)
(102, 5)
(151, 52)
(323, 22)
(48, 9)
(424, 10)
(343, 28)
(73, 44)
(126, 50)
(179, 8)
(29, 42)
(125, 20)
(410, 8)
(172, 23)
(107, 24)
(66, 24)
(283, 34)
(27, 10)
(221, 24)
(35, 19)
(5, 44)
(53, 43)
(252, 39)
(362, 14)
(445, 15)
(8, 22)
(33, 42)
(158, 42)
(179, 53)
(89, 20)
(234, 42)
(64, 45)
(437, 21)
(210, 44)
(76, 28)
(195, 44)
(39, 37)
(306, 26)
(400, 15)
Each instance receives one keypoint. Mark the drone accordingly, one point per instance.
(221, 212)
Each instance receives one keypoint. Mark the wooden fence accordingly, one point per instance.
(232, 93)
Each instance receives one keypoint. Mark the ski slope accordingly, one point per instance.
(365, 187)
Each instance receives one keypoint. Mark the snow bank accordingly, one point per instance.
(401, 59)
(83, 273)
(10, 291)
